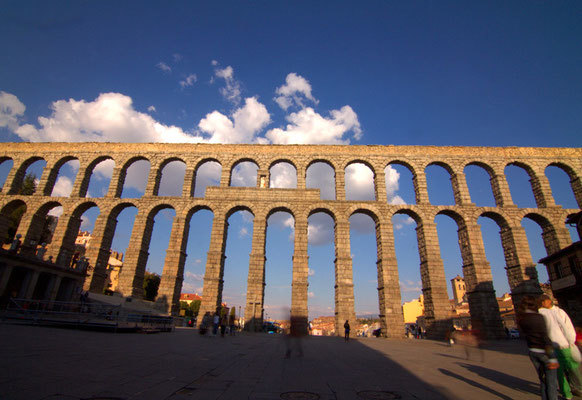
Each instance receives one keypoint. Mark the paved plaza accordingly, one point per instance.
(53, 363)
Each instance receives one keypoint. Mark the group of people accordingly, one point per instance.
(553, 346)
(216, 322)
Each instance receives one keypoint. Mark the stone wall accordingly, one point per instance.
(301, 202)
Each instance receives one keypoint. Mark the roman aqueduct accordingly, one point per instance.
(301, 202)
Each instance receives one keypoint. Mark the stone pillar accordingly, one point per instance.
(256, 278)
(98, 252)
(483, 305)
(521, 271)
(555, 236)
(301, 174)
(434, 284)
(54, 247)
(62, 247)
(189, 183)
(344, 284)
(541, 189)
(420, 187)
(577, 189)
(380, 186)
(263, 178)
(81, 184)
(168, 298)
(14, 178)
(460, 189)
(5, 278)
(55, 286)
(213, 276)
(500, 188)
(391, 316)
(225, 173)
(5, 223)
(154, 179)
(136, 257)
(31, 284)
(117, 181)
(299, 294)
(31, 229)
(340, 186)
(47, 180)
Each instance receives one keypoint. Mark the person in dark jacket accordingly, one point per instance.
(347, 331)
(541, 352)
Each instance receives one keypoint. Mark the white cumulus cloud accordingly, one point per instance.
(152, 109)
(63, 187)
(294, 92)
(308, 127)
(11, 109)
(109, 118)
(245, 125)
(283, 175)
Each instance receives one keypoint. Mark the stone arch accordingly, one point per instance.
(287, 160)
(54, 173)
(483, 166)
(372, 189)
(89, 170)
(539, 195)
(10, 217)
(20, 173)
(238, 162)
(36, 226)
(280, 208)
(409, 213)
(195, 184)
(324, 210)
(5, 159)
(575, 183)
(316, 160)
(327, 187)
(66, 244)
(549, 235)
(452, 181)
(171, 168)
(483, 305)
(281, 162)
(408, 167)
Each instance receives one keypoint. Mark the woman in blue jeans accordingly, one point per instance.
(541, 352)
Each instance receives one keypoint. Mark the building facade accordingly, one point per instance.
(301, 202)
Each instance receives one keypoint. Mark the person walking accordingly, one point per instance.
(562, 334)
(215, 322)
(541, 352)
(347, 331)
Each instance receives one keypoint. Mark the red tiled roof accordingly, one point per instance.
(190, 296)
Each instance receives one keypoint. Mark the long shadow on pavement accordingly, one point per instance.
(502, 378)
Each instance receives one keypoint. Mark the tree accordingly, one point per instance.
(151, 283)
(27, 188)
(232, 313)
(195, 307)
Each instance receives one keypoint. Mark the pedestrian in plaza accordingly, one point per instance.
(347, 331)
(297, 329)
(563, 336)
(223, 323)
(541, 351)
(231, 324)
(215, 322)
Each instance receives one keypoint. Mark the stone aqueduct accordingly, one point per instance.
(301, 202)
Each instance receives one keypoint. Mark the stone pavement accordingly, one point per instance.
(51, 363)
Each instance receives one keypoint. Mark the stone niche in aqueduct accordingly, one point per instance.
(300, 202)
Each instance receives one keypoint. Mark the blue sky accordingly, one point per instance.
(414, 73)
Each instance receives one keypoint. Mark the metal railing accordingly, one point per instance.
(87, 314)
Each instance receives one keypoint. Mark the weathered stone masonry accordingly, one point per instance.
(301, 202)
